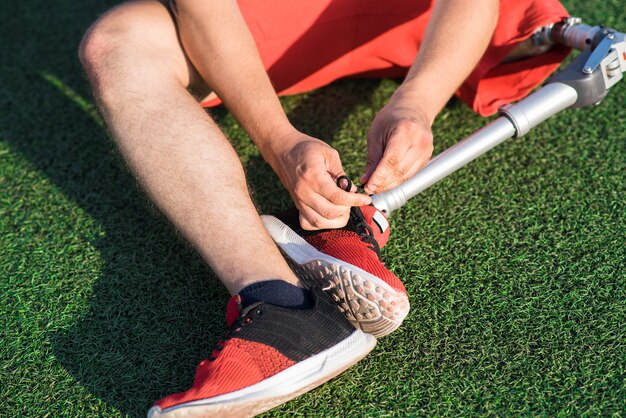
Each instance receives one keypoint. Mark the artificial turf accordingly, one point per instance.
(515, 265)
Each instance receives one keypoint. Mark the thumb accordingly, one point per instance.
(336, 170)
(374, 155)
(333, 164)
(368, 172)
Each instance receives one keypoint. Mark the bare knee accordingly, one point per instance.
(110, 37)
(132, 42)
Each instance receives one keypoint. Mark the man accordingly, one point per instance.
(147, 62)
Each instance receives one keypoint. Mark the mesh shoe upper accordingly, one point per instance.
(263, 341)
(354, 244)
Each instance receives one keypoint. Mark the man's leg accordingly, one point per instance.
(140, 76)
(283, 340)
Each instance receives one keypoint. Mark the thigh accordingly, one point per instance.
(494, 83)
(305, 44)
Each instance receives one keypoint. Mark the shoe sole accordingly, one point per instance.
(280, 388)
(368, 302)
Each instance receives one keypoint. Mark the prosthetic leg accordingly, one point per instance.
(584, 82)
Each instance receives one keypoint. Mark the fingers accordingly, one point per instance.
(405, 152)
(374, 155)
(311, 219)
(323, 204)
(405, 170)
(345, 183)
(394, 168)
(388, 168)
(337, 196)
(310, 172)
(317, 185)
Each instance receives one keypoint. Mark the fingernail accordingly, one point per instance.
(372, 188)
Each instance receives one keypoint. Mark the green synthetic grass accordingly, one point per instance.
(515, 265)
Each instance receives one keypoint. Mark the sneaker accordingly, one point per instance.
(346, 264)
(270, 355)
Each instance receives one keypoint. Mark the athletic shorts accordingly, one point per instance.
(307, 44)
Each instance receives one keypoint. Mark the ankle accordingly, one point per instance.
(276, 292)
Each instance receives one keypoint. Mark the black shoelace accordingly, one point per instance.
(357, 220)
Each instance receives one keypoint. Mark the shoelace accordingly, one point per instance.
(363, 230)
(245, 318)
(361, 227)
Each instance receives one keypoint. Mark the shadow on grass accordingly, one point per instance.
(155, 308)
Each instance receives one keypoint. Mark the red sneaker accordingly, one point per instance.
(270, 355)
(346, 264)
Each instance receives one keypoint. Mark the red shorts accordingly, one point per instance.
(306, 44)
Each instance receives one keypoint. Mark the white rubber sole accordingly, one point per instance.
(366, 300)
(280, 388)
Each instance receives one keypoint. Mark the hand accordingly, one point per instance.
(308, 168)
(399, 143)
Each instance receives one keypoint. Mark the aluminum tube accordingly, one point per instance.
(446, 163)
(539, 106)
(524, 115)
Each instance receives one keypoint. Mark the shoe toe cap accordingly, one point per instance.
(155, 412)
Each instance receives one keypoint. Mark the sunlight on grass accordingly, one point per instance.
(514, 264)
(76, 98)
